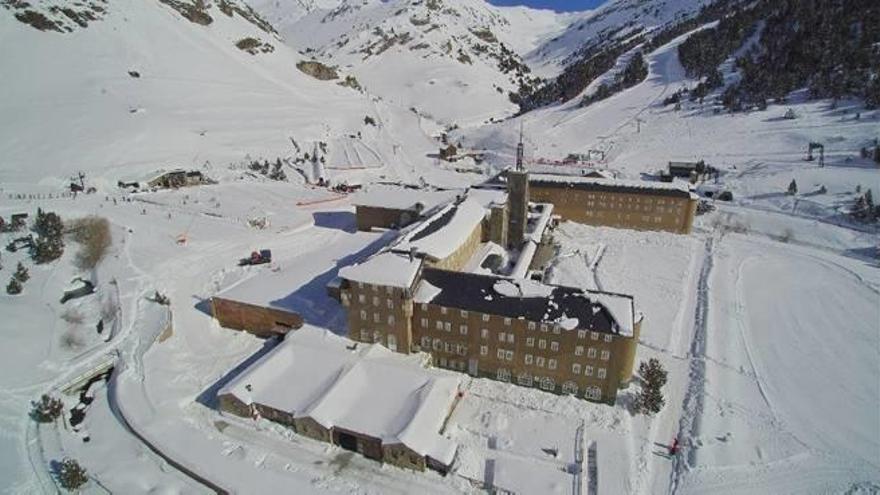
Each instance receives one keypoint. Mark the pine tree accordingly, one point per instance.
(877, 153)
(792, 188)
(47, 410)
(13, 287)
(21, 273)
(650, 400)
(49, 245)
(71, 475)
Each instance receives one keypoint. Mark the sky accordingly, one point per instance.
(558, 5)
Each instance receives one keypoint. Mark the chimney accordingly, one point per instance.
(412, 253)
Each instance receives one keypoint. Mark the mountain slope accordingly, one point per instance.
(453, 60)
(145, 87)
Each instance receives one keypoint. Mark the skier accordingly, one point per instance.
(673, 449)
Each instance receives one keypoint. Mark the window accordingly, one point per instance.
(544, 327)
(424, 307)
(389, 290)
(464, 314)
(588, 370)
(503, 374)
(360, 285)
(591, 353)
(539, 361)
(579, 350)
(392, 342)
(582, 334)
(424, 323)
(362, 298)
(605, 355)
(556, 329)
(510, 338)
(377, 336)
(508, 355)
(501, 336)
(485, 317)
(447, 347)
(607, 337)
(507, 321)
(529, 359)
(576, 368)
(438, 344)
(484, 350)
(376, 318)
(447, 326)
(462, 350)
(391, 319)
(569, 388)
(426, 342)
(594, 335)
(389, 303)
(442, 310)
(554, 346)
(594, 393)
(484, 333)
(551, 364)
(375, 301)
(547, 383)
(462, 329)
(363, 315)
(532, 325)
(500, 354)
(530, 341)
(439, 325)
(601, 373)
(524, 379)
(365, 334)
(443, 362)
(542, 344)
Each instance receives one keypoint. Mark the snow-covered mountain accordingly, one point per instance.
(453, 60)
(138, 85)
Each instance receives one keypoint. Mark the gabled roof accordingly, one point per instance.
(363, 388)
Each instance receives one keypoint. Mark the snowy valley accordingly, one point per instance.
(205, 130)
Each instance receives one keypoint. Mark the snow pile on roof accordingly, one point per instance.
(425, 292)
(620, 308)
(488, 197)
(386, 268)
(522, 288)
(402, 198)
(537, 221)
(622, 183)
(443, 233)
(364, 388)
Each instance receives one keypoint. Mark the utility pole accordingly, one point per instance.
(639, 125)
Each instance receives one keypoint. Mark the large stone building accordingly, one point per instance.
(433, 290)
(618, 203)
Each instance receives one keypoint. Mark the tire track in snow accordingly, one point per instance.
(692, 408)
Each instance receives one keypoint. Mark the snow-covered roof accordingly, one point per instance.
(402, 198)
(676, 188)
(364, 388)
(568, 307)
(488, 197)
(444, 232)
(386, 269)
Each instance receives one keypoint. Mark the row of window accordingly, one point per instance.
(453, 364)
(389, 303)
(548, 383)
(375, 288)
(376, 337)
(506, 336)
(377, 318)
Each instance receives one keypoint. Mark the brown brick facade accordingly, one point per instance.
(641, 211)
(258, 320)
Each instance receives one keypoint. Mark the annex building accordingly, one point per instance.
(365, 398)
